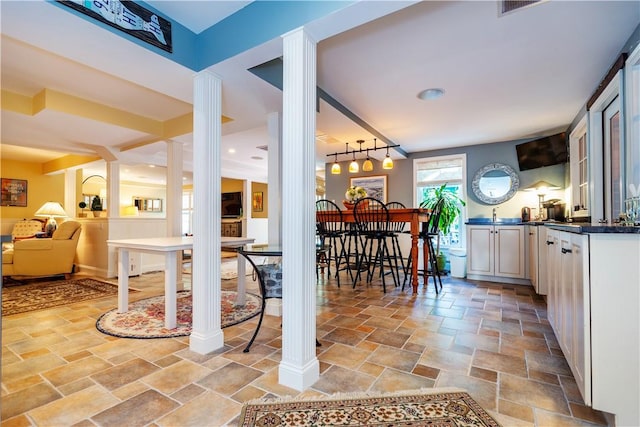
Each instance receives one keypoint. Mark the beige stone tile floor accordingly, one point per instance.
(490, 339)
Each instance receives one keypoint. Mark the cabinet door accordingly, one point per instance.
(543, 284)
(565, 314)
(532, 232)
(509, 255)
(551, 243)
(581, 317)
(480, 252)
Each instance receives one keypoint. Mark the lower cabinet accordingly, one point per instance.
(232, 229)
(568, 302)
(496, 252)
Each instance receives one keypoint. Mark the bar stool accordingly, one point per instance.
(430, 231)
(330, 227)
(372, 218)
(395, 230)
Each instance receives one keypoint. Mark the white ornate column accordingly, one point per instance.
(206, 334)
(274, 189)
(113, 189)
(173, 205)
(299, 367)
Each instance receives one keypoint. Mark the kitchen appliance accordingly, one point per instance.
(555, 210)
(525, 214)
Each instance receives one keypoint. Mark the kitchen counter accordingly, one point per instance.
(591, 229)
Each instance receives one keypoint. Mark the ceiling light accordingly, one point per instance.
(430, 94)
(387, 163)
(335, 168)
(231, 150)
(367, 166)
(353, 166)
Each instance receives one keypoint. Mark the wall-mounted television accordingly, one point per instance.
(546, 151)
(231, 205)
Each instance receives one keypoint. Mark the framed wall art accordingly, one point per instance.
(257, 201)
(374, 185)
(14, 192)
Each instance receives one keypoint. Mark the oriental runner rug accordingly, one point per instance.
(145, 318)
(427, 407)
(37, 295)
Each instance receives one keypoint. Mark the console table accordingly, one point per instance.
(169, 246)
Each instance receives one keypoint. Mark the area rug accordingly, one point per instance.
(145, 318)
(427, 407)
(21, 298)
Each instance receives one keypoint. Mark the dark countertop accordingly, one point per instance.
(588, 228)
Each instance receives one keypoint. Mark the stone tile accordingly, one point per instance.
(481, 342)
(515, 410)
(188, 393)
(73, 408)
(426, 371)
(547, 363)
(76, 386)
(484, 374)
(454, 313)
(345, 356)
(545, 377)
(230, 378)
(208, 409)
(345, 322)
(446, 360)
(394, 358)
(509, 328)
(586, 413)
(533, 393)
(483, 392)
(500, 362)
(370, 369)
(392, 380)
(157, 349)
(75, 370)
(26, 399)
(383, 323)
(545, 418)
(470, 326)
(390, 338)
(176, 376)
(337, 379)
(124, 373)
(139, 410)
(23, 369)
(130, 390)
(248, 393)
(345, 336)
(431, 339)
(270, 382)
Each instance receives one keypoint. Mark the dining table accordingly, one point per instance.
(412, 216)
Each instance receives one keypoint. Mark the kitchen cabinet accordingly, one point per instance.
(532, 241)
(496, 252)
(232, 228)
(568, 303)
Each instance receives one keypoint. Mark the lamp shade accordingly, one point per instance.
(51, 209)
(542, 186)
(131, 211)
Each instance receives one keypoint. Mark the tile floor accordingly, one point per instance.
(490, 339)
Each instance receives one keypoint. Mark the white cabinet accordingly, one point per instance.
(532, 240)
(496, 252)
(568, 302)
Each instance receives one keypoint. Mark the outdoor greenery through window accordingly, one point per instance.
(430, 173)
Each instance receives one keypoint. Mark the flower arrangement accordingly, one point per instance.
(354, 193)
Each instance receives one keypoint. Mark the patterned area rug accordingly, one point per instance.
(425, 407)
(145, 318)
(21, 298)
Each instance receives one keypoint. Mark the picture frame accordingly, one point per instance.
(374, 185)
(14, 192)
(257, 201)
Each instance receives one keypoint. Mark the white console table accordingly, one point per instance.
(170, 246)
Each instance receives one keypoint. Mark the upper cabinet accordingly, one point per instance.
(632, 109)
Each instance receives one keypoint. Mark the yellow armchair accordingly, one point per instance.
(43, 257)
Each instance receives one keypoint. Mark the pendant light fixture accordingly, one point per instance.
(335, 168)
(367, 165)
(387, 163)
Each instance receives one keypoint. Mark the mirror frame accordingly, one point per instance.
(515, 183)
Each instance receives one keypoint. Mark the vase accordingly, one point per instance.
(349, 205)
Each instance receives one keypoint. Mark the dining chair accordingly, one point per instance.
(372, 219)
(395, 230)
(330, 231)
(429, 232)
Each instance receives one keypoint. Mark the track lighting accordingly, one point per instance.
(367, 165)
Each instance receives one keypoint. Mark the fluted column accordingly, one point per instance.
(299, 367)
(174, 188)
(206, 335)
(70, 204)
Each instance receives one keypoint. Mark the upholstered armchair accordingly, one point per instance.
(43, 256)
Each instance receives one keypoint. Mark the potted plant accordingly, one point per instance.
(451, 204)
(96, 206)
(352, 195)
(82, 206)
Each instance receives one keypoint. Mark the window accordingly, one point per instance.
(431, 173)
(187, 212)
(579, 167)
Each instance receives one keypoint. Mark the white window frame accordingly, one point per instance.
(463, 189)
(574, 165)
(188, 210)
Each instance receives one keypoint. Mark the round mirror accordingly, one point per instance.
(495, 183)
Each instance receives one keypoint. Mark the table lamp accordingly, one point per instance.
(49, 210)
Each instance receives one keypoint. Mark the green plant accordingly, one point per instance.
(82, 205)
(96, 204)
(451, 205)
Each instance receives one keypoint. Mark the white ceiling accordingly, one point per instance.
(522, 75)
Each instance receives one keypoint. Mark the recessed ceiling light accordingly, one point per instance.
(429, 94)
(231, 150)
(152, 166)
(257, 158)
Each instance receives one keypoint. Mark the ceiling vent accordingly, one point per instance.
(263, 147)
(508, 6)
